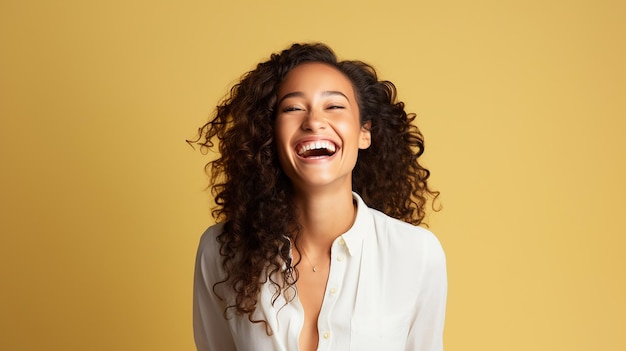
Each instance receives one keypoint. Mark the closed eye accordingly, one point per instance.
(292, 109)
(334, 107)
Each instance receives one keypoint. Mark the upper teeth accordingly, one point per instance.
(315, 145)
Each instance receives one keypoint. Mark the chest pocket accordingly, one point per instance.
(379, 334)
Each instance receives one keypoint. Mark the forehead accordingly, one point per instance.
(312, 77)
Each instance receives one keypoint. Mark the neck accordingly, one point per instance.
(323, 217)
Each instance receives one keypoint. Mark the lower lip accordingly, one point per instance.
(316, 158)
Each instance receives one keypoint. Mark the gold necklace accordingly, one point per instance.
(308, 259)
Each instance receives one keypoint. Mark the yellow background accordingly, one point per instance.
(102, 203)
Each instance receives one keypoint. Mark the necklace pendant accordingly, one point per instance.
(314, 269)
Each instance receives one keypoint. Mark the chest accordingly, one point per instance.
(311, 289)
(354, 306)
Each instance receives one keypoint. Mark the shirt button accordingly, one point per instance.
(326, 335)
(333, 290)
(340, 258)
(341, 241)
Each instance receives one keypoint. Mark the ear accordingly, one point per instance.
(365, 136)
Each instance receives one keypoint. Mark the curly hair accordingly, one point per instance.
(253, 194)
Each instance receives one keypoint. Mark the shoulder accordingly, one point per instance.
(209, 237)
(394, 228)
(393, 237)
(208, 241)
(401, 237)
(208, 258)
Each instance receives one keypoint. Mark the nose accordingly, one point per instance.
(314, 121)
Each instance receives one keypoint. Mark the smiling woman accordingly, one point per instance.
(318, 191)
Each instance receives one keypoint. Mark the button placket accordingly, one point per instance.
(337, 272)
(339, 252)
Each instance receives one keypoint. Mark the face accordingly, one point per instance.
(317, 129)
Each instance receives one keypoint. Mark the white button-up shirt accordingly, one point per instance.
(386, 291)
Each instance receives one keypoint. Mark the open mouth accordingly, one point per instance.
(315, 149)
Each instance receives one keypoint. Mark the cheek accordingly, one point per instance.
(350, 130)
(285, 128)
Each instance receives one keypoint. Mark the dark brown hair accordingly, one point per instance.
(253, 194)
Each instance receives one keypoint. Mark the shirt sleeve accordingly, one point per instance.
(211, 329)
(426, 333)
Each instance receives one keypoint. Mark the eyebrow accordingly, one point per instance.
(301, 94)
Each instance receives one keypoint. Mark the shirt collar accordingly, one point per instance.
(363, 224)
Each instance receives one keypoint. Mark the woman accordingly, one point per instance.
(318, 190)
